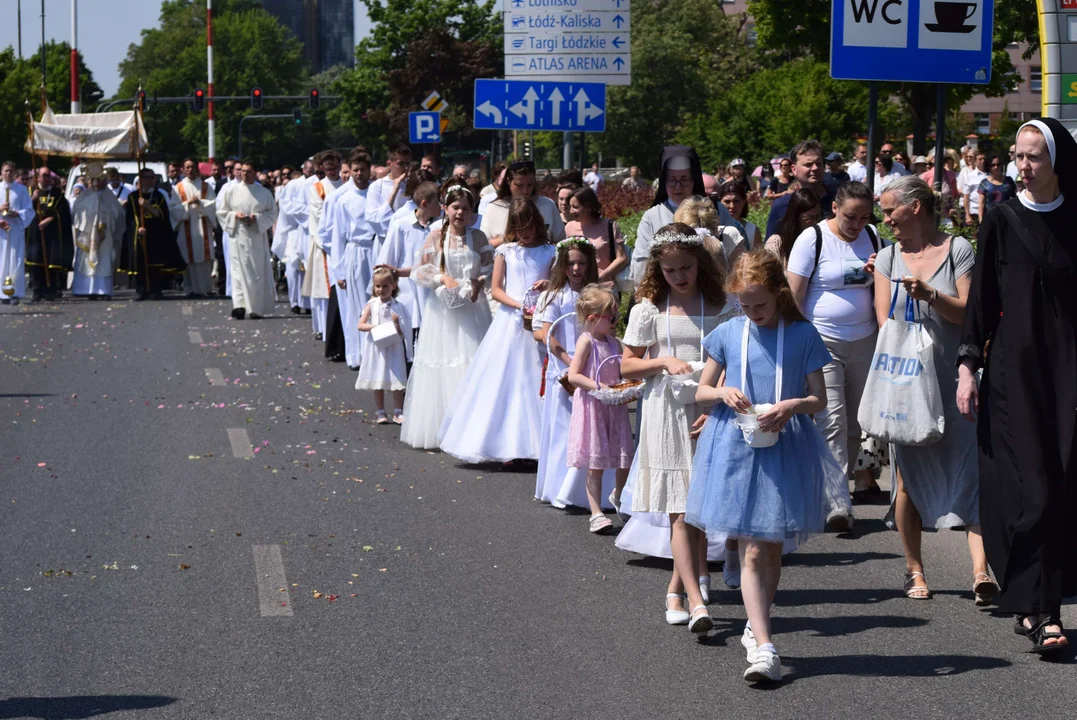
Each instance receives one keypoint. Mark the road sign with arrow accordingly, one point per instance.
(527, 105)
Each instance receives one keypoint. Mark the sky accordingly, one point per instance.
(105, 29)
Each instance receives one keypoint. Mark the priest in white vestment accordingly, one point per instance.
(197, 217)
(288, 225)
(246, 212)
(300, 207)
(318, 275)
(16, 214)
(98, 222)
(349, 239)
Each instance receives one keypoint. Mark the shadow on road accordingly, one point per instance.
(26, 395)
(925, 666)
(835, 558)
(77, 706)
(844, 625)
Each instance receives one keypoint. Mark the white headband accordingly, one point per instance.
(1042, 127)
(674, 237)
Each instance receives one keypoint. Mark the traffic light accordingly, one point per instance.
(297, 116)
(199, 102)
(256, 98)
(315, 99)
(527, 149)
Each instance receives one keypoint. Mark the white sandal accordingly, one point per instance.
(599, 523)
(702, 623)
(676, 617)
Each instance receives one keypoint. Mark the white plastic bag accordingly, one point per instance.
(902, 403)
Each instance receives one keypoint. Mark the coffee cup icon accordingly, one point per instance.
(950, 17)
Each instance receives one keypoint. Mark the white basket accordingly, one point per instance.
(749, 427)
(384, 334)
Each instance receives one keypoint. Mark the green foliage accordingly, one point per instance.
(371, 108)
(773, 110)
(683, 51)
(20, 82)
(251, 49)
(629, 225)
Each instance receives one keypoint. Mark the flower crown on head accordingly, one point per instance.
(673, 237)
(572, 241)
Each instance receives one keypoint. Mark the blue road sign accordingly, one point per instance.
(934, 41)
(424, 127)
(527, 105)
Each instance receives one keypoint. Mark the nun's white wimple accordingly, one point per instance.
(1042, 127)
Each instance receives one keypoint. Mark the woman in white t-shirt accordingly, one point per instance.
(831, 271)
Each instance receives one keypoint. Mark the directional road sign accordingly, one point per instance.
(905, 41)
(527, 105)
(424, 127)
(586, 40)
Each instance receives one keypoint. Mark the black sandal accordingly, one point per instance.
(1039, 635)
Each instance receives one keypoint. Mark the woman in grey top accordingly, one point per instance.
(937, 485)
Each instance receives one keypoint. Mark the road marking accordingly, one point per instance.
(241, 443)
(214, 376)
(195, 336)
(188, 309)
(274, 600)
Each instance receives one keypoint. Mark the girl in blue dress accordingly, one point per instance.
(761, 495)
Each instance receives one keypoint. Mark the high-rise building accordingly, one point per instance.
(325, 27)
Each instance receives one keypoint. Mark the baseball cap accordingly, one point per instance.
(736, 162)
(834, 156)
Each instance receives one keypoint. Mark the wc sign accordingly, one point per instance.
(944, 41)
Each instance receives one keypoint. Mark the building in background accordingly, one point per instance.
(1024, 103)
(325, 27)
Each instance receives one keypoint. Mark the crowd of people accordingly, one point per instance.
(484, 319)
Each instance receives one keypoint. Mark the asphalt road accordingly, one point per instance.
(148, 572)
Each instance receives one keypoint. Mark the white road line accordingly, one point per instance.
(188, 309)
(241, 443)
(195, 336)
(214, 376)
(274, 600)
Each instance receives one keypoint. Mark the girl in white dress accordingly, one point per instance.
(384, 363)
(576, 266)
(454, 265)
(496, 411)
(679, 300)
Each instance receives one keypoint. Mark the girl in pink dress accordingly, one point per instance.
(599, 436)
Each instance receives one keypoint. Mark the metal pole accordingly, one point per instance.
(211, 135)
(42, 43)
(873, 112)
(19, 22)
(566, 156)
(74, 56)
(940, 141)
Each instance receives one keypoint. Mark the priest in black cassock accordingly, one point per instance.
(50, 248)
(1021, 328)
(150, 252)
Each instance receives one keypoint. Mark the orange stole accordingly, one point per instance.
(187, 225)
(325, 260)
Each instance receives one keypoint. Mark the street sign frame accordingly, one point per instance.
(566, 106)
(422, 124)
(904, 57)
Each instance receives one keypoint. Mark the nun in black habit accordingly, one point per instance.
(1021, 328)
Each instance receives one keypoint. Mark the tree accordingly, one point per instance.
(802, 29)
(683, 51)
(775, 109)
(20, 82)
(252, 49)
(390, 69)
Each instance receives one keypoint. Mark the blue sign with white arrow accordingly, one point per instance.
(527, 105)
(424, 127)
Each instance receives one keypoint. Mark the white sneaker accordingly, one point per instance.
(705, 588)
(767, 667)
(750, 645)
(676, 617)
(839, 521)
(731, 570)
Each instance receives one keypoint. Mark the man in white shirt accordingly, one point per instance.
(197, 219)
(318, 276)
(119, 189)
(349, 240)
(1011, 168)
(386, 196)
(16, 214)
(969, 181)
(858, 169)
(594, 178)
(246, 212)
